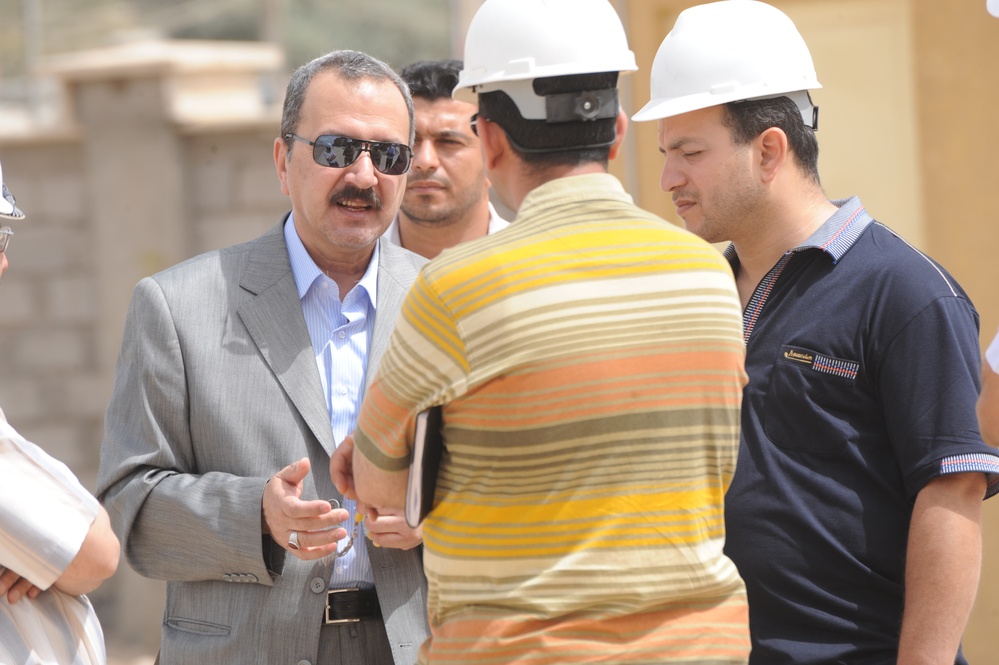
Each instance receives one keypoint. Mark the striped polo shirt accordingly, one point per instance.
(590, 361)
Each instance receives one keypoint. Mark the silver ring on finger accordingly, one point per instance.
(293, 540)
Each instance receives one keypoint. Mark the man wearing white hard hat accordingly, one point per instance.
(589, 362)
(56, 543)
(855, 512)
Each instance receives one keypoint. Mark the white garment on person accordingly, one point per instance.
(992, 354)
(45, 514)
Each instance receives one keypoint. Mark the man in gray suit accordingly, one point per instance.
(240, 372)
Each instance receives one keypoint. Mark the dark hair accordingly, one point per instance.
(432, 79)
(748, 119)
(543, 144)
(349, 65)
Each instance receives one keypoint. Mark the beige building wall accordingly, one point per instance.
(956, 47)
(151, 164)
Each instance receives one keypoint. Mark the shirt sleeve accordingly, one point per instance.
(929, 384)
(45, 513)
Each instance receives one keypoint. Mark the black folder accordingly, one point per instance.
(428, 446)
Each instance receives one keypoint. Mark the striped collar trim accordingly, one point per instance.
(836, 235)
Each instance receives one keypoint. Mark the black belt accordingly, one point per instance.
(351, 606)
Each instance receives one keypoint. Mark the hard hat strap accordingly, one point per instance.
(803, 100)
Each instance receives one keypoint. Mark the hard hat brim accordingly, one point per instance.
(659, 108)
(465, 91)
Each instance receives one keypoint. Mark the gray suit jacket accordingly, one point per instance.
(216, 389)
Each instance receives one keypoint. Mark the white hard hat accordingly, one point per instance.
(8, 209)
(729, 51)
(512, 42)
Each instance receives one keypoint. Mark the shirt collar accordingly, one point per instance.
(306, 272)
(573, 189)
(836, 235)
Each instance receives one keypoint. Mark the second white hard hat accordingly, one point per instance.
(728, 51)
(512, 42)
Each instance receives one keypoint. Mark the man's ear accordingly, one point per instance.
(773, 152)
(620, 129)
(281, 163)
(495, 143)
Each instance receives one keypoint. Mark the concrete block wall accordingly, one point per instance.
(132, 181)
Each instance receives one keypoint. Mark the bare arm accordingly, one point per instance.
(357, 478)
(942, 568)
(95, 562)
(988, 406)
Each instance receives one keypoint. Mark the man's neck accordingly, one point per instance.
(525, 181)
(346, 271)
(777, 232)
(429, 240)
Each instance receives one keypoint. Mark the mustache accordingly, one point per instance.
(356, 194)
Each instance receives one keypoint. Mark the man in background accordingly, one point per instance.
(447, 191)
(240, 372)
(56, 543)
(589, 361)
(855, 512)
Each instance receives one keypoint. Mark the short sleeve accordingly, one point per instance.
(929, 385)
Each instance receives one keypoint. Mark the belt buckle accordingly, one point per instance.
(329, 621)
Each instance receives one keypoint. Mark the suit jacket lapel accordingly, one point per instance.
(397, 268)
(273, 317)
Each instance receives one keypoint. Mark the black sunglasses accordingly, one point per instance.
(341, 151)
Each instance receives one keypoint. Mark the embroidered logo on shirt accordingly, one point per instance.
(799, 356)
(826, 364)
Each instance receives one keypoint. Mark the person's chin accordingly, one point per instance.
(694, 224)
(357, 234)
(424, 215)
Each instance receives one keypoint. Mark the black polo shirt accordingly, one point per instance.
(863, 363)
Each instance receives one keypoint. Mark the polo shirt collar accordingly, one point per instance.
(836, 235)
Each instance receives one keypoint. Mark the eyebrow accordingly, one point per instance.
(678, 143)
(445, 134)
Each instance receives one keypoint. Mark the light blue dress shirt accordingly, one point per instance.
(341, 334)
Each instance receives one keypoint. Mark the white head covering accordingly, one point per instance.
(8, 209)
